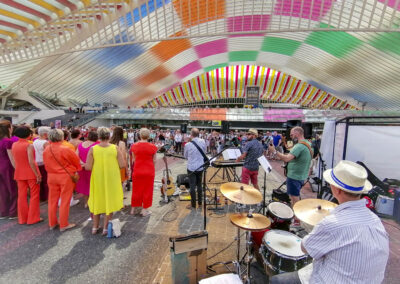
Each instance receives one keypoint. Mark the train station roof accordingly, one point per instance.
(314, 53)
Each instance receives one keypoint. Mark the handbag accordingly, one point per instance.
(74, 177)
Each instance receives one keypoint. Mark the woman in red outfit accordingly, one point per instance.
(143, 154)
(28, 176)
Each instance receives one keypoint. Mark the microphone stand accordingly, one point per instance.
(205, 166)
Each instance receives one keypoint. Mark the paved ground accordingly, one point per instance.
(33, 254)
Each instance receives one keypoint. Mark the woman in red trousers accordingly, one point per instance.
(28, 176)
(143, 154)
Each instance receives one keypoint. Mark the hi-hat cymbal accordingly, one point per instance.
(312, 211)
(241, 193)
(250, 222)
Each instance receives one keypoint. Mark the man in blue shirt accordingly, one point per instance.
(277, 140)
(251, 152)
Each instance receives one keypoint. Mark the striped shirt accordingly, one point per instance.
(193, 155)
(348, 246)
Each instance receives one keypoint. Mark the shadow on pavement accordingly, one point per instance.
(89, 252)
(23, 244)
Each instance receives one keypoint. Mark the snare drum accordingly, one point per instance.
(281, 252)
(281, 215)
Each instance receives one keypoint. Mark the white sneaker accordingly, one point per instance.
(73, 202)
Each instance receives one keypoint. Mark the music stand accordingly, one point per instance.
(267, 169)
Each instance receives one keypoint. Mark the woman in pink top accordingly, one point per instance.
(83, 184)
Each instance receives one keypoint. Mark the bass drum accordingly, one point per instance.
(281, 252)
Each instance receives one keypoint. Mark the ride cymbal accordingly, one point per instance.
(241, 193)
(312, 211)
(250, 222)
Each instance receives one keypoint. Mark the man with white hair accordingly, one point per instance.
(350, 245)
(39, 144)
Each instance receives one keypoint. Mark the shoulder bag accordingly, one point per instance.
(74, 177)
(201, 152)
(286, 164)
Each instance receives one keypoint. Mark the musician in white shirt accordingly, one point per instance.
(350, 245)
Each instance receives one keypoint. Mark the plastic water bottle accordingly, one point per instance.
(110, 230)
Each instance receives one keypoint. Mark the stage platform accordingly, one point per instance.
(34, 254)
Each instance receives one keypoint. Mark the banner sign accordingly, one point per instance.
(208, 114)
(252, 95)
(283, 115)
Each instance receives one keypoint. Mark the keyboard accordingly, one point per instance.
(226, 164)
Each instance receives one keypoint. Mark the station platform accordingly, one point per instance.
(34, 254)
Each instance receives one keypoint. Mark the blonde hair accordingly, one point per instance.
(144, 133)
(104, 133)
(56, 135)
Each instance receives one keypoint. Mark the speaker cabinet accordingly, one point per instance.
(37, 123)
(225, 127)
(183, 127)
(293, 123)
(307, 130)
(189, 257)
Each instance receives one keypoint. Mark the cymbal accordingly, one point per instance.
(312, 211)
(253, 222)
(241, 193)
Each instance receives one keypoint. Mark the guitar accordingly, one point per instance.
(175, 156)
(168, 187)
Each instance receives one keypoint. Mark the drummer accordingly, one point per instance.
(350, 245)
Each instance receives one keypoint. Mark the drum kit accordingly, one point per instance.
(280, 249)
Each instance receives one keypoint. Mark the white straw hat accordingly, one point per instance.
(349, 176)
(253, 131)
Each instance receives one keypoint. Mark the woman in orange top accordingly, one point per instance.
(27, 176)
(61, 163)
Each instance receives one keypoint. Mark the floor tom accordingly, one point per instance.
(281, 252)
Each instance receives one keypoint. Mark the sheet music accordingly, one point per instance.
(265, 164)
(231, 154)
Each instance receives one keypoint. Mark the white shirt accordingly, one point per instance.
(38, 146)
(178, 137)
(193, 155)
(131, 137)
(349, 246)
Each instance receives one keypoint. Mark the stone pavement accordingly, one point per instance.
(34, 254)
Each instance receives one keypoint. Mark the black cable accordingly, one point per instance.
(172, 211)
(214, 215)
(224, 249)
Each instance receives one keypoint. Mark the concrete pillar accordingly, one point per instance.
(3, 102)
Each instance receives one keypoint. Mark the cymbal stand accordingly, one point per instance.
(236, 263)
(249, 258)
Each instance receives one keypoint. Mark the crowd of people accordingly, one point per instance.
(48, 164)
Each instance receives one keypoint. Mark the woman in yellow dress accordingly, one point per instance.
(106, 195)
